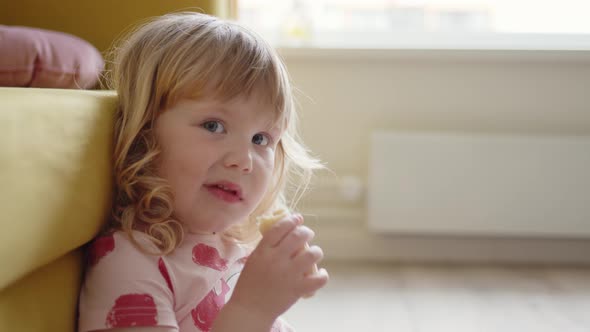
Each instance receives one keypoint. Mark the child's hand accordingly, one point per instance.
(277, 273)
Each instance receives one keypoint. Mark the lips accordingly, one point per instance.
(226, 191)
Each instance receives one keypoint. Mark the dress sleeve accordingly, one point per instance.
(124, 287)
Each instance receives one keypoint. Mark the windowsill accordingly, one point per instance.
(443, 46)
(385, 54)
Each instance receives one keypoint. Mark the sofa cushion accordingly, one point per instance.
(55, 174)
(44, 300)
(47, 59)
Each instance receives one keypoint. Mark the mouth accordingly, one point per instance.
(227, 191)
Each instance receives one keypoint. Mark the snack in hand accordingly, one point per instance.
(265, 222)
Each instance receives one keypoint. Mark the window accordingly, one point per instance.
(454, 24)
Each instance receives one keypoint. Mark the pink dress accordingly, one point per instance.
(124, 287)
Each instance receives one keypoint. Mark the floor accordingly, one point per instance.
(422, 298)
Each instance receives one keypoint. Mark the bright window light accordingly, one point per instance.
(462, 24)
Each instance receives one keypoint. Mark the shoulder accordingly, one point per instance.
(119, 245)
(118, 255)
(124, 286)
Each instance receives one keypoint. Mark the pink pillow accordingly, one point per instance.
(32, 57)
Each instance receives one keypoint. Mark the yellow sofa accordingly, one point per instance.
(55, 190)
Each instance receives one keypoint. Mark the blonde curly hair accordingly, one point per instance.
(174, 56)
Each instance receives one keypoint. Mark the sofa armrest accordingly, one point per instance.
(55, 173)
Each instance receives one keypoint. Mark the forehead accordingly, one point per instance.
(259, 97)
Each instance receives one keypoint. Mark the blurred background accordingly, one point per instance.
(419, 23)
(458, 138)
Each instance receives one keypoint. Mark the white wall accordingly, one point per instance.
(347, 94)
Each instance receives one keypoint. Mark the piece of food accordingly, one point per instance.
(265, 222)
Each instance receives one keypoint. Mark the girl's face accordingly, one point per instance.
(218, 157)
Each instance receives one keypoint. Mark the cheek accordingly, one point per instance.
(185, 169)
(182, 169)
(185, 178)
(166, 165)
(267, 166)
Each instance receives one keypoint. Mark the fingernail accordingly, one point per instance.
(299, 218)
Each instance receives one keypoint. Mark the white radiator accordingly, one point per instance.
(423, 182)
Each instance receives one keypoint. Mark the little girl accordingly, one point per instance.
(205, 142)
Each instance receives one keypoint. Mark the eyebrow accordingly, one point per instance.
(221, 109)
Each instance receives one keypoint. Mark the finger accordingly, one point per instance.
(280, 230)
(314, 282)
(307, 259)
(295, 240)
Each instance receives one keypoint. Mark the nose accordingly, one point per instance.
(239, 158)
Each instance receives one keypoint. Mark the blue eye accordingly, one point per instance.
(214, 126)
(261, 139)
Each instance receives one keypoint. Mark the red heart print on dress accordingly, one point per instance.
(133, 310)
(206, 311)
(208, 256)
(100, 248)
